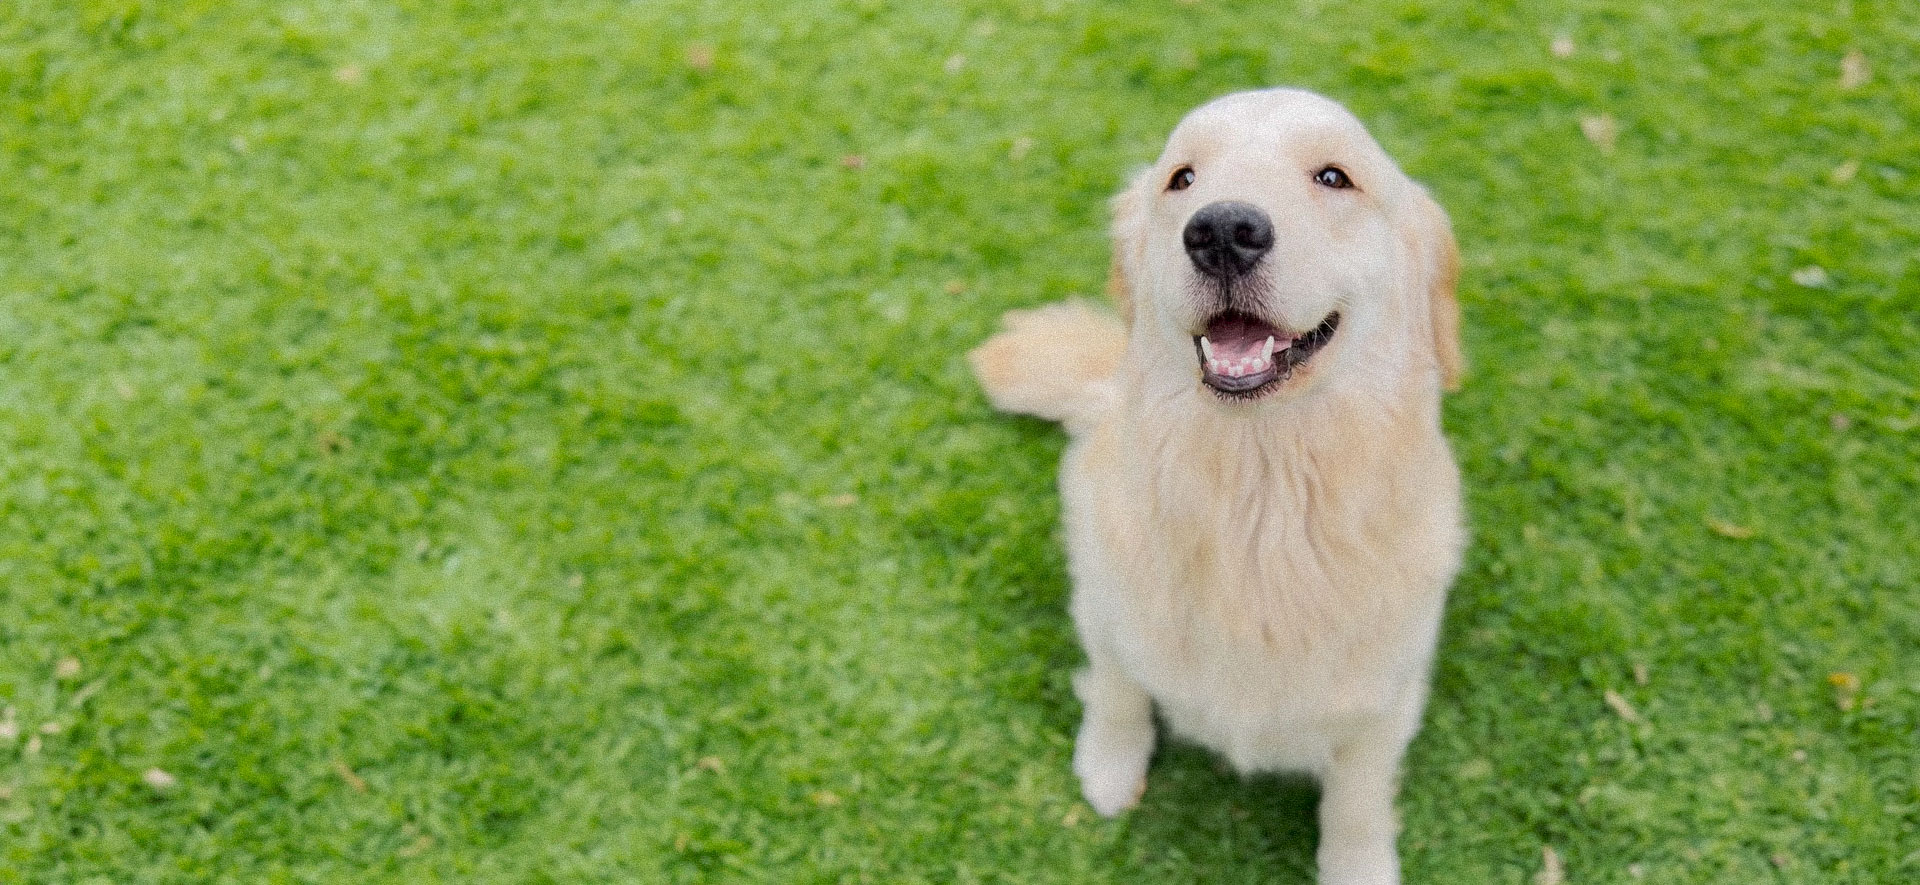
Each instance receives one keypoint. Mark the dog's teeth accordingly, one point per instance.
(1266, 350)
(1206, 347)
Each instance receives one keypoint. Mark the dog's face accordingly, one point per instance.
(1275, 250)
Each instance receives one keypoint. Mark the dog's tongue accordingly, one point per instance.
(1235, 338)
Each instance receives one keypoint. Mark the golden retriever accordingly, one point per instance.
(1262, 516)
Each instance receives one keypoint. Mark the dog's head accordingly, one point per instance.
(1275, 250)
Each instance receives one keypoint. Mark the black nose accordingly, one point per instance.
(1227, 239)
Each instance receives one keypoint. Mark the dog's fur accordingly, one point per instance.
(1270, 573)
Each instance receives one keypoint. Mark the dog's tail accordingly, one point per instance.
(1053, 362)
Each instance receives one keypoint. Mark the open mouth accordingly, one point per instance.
(1242, 355)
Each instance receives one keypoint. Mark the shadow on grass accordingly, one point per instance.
(1201, 817)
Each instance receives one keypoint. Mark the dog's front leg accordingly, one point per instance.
(1357, 821)
(1116, 737)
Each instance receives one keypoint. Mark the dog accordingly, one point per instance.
(1262, 515)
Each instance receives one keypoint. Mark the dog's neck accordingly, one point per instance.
(1331, 418)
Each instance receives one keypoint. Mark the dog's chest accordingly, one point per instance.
(1268, 661)
(1268, 606)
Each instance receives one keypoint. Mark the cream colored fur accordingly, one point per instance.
(1270, 574)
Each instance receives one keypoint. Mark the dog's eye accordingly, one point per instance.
(1181, 180)
(1333, 177)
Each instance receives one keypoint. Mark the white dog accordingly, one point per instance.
(1262, 514)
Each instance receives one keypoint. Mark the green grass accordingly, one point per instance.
(489, 442)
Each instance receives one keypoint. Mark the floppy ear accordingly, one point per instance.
(1437, 259)
(1129, 227)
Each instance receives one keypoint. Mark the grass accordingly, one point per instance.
(499, 442)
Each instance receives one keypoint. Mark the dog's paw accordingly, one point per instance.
(1113, 773)
(1115, 742)
(1111, 793)
(1358, 864)
(1112, 768)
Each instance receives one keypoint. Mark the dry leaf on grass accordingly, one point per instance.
(1562, 46)
(700, 57)
(1846, 689)
(159, 779)
(1552, 872)
(353, 780)
(1727, 529)
(1854, 72)
(1601, 129)
(1813, 276)
(68, 668)
(1620, 706)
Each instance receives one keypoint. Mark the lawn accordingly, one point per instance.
(500, 442)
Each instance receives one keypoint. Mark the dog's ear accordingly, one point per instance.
(1129, 231)
(1437, 261)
